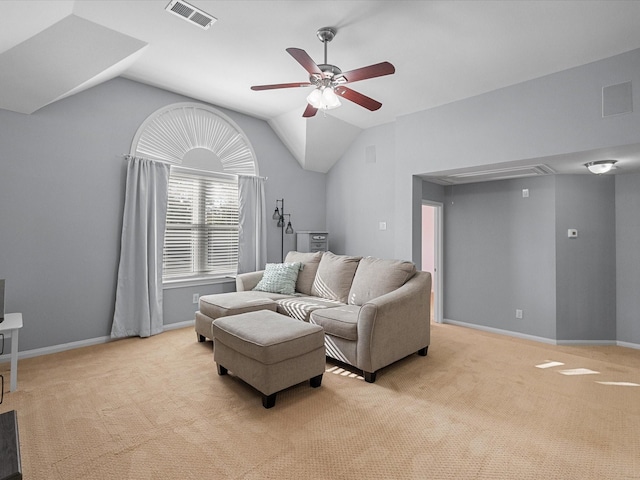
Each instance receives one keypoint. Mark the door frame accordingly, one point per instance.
(438, 289)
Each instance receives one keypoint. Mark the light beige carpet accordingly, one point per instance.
(475, 407)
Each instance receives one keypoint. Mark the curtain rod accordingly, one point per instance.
(128, 156)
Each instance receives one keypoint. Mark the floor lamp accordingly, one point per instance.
(279, 215)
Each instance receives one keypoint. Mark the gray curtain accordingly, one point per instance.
(252, 248)
(138, 310)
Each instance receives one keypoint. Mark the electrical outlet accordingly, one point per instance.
(196, 297)
(518, 313)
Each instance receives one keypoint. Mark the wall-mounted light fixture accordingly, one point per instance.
(601, 166)
(279, 215)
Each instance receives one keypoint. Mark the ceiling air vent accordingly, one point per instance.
(190, 13)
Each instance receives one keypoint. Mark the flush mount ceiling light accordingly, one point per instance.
(601, 166)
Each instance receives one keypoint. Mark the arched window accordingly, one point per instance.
(207, 151)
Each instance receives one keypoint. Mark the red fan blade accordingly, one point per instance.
(305, 60)
(360, 99)
(280, 85)
(310, 111)
(372, 71)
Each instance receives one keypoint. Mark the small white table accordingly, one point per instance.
(11, 324)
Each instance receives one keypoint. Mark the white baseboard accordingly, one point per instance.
(499, 331)
(586, 342)
(36, 352)
(628, 345)
(549, 341)
(175, 326)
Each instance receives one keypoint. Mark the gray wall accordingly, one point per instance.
(586, 266)
(499, 255)
(61, 194)
(628, 258)
(359, 195)
(556, 114)
(504, 252)
(433, 192)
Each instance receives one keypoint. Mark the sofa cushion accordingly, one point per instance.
(301, 307)
(375, 277)
(310, 262)
(279, 278)
(232, 303)
(334, 277)
(267, 336)
(339, 321)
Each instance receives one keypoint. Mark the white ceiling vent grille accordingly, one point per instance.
(190, 13)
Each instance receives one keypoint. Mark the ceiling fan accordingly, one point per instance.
(329, 81)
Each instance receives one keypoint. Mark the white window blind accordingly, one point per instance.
(201, 236)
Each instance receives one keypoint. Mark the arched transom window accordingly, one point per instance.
(207, 151)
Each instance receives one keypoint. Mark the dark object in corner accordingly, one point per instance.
(1, 377)
(10, 467)
(2, 300)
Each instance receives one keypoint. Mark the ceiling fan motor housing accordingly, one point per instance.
(331, 76)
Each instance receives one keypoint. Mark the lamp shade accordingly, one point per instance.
(315, 98)
(601, 166)
(323, 98)
(330, 99)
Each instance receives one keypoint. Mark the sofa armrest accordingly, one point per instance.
(248, 281)
(395, 325)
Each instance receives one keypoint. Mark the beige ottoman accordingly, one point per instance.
(225, 304)
(269, 351)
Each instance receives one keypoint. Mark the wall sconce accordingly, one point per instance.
(601, 166)
(279, 215)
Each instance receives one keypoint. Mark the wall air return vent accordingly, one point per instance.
(190, 13)
(617, 99)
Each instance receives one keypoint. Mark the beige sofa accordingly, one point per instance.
(373, 311)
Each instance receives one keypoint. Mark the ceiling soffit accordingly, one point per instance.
(73, 54)
(317, 143)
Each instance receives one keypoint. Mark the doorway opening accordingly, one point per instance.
(432, 254)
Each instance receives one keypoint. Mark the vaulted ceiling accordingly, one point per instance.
(443, 51)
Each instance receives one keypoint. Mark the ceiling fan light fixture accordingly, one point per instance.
(315, 98)
(323, 98)
(330, 99)
(328, 80)
(601, 166)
